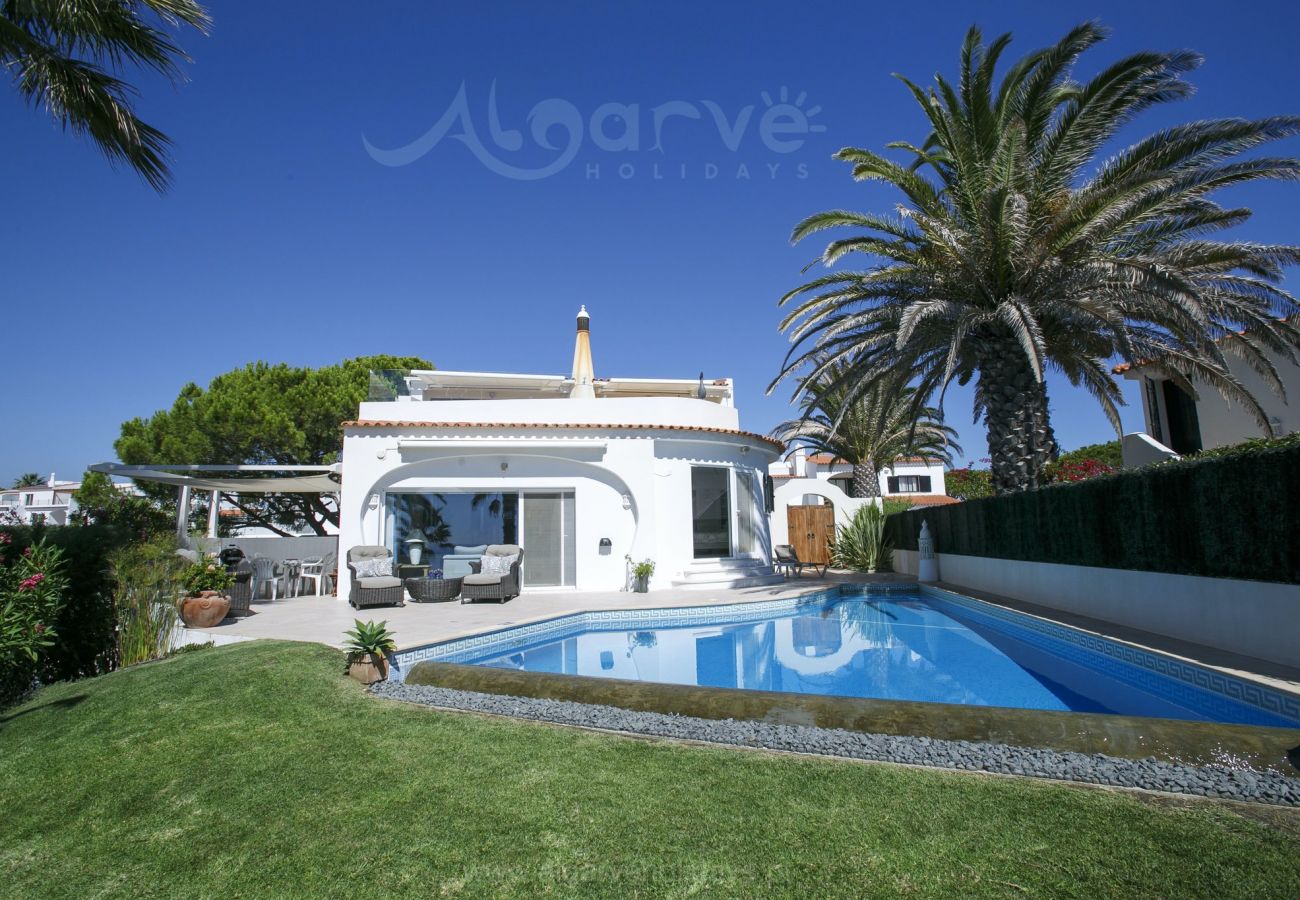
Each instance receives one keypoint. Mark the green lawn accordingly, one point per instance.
(259, 770)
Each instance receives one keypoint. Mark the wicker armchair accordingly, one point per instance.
(477, 586)
(374, 590)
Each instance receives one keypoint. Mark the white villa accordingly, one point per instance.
(582, 472)
(1177, 422)
(50, 502)
(914, 478)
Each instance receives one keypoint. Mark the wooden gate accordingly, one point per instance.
(812, 528)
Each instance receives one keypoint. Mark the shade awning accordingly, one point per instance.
(314, 480)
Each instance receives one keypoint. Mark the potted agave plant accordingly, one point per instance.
(368, 645)
(205, 602)
(641, 572)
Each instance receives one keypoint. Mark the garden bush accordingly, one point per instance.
(861, 545)
(31, 591)
(84, 624)
(1225, 515)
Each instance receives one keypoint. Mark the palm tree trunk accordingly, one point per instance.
(1021, 440)
(866, 480)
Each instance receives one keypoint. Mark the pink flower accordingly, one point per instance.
(29, 583)
(6, 537)
(27, 551)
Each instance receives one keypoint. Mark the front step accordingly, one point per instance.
(726, 573)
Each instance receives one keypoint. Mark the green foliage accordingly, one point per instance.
(643, 569)
(1257, 445)
(148, 577)
(32, 588)
(1027, 240)
(205, 576)
(260, 415)
(101, 503)
(1189, 517)
(85, 622)
(896, 505)
(862, 544)
(368, 639)
(28, 479)
(65, 57)
(1108, 454)
(160, 781)
(969, 484)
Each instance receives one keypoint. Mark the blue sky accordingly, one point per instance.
(285, 239)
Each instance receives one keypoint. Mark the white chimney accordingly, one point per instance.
(800, 462)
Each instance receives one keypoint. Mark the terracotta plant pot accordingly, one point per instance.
(366, 671)
(205, 610)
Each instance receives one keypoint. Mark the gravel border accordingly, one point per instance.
(1217, 781)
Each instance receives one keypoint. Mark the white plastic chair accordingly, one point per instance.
(266, 571)
(313, 570)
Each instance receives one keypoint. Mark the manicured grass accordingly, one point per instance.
(258, 770)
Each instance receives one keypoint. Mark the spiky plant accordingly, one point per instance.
(861, 545)
(65, 55)
(1019, 248)
(868, 428)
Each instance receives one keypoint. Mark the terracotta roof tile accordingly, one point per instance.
(374, 423)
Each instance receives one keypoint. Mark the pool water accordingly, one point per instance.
(914, 645)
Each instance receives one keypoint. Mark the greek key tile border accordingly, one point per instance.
(1175, 679)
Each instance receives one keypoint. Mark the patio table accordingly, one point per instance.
(433, 590)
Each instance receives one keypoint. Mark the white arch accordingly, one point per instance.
(792, 491)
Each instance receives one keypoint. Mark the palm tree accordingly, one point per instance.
(1020, 250)
(28, 479)
(63, 56)
(867, 429)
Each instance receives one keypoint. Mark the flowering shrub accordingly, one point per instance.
(969, 484)
(206, 576)
(1080, 470)
(31, 593)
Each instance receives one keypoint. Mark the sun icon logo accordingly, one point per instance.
(785, 117)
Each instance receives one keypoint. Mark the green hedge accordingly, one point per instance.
(85, 625)
(1230, 516)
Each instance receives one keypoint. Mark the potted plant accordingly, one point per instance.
(205, 602)
(368, 645)
(641, 572)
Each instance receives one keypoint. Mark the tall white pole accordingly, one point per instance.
(183, 516)
(214, 508)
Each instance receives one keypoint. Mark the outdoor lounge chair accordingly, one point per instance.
(785, 558)
(374, 590)
(477, 586)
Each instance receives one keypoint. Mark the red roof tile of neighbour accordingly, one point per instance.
(825, 459)
(925, 499)
(373, 423)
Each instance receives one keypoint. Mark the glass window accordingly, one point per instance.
(549, 546)
(447, 520)
(711, 511)
(745, 506)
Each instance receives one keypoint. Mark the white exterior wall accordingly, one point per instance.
(1223, 424)
(1253, 618)
(823, 472)
(54, 503)
(651, 468)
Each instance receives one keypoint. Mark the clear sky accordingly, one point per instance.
(324, 206)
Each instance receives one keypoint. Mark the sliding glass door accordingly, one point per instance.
(549, 546)
(711, 511)
(451, 528)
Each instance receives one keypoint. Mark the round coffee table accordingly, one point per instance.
(433, 590)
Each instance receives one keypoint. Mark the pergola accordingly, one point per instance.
(238, 479)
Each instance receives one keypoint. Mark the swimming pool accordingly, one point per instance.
(887, 642)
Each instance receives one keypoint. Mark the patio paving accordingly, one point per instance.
(324, 619)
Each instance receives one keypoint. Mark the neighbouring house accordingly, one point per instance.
(580, 471)
(916, 479)
(51, 502)
(1179, 423)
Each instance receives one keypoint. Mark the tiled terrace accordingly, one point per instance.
(324, 619)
